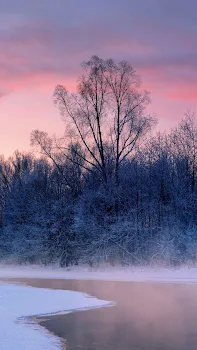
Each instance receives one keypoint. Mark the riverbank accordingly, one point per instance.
(20, 305)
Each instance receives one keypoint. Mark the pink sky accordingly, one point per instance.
(43, 44)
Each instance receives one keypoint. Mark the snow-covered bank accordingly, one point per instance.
(18, 301)
(137, 274)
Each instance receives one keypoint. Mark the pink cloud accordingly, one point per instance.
(36, 56)
(41, 55)
(186, 93)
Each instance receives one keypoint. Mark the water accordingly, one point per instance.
(147, 316)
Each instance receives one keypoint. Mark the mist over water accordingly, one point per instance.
(146, 316)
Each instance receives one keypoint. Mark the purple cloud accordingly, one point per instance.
(48, 40)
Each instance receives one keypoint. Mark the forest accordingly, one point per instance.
(111, 190)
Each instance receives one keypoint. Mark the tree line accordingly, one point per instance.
(109, 190)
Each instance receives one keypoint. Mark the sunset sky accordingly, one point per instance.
(43, 43)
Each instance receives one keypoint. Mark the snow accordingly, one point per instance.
(137, 274)
(17, 302)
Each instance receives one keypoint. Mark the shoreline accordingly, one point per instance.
(38, 320)
(181, 275)
(169, 308)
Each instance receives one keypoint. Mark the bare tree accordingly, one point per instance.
(184, 143)
(65, 159)
(106, 115)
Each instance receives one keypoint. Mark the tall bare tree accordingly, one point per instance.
(107, 114)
